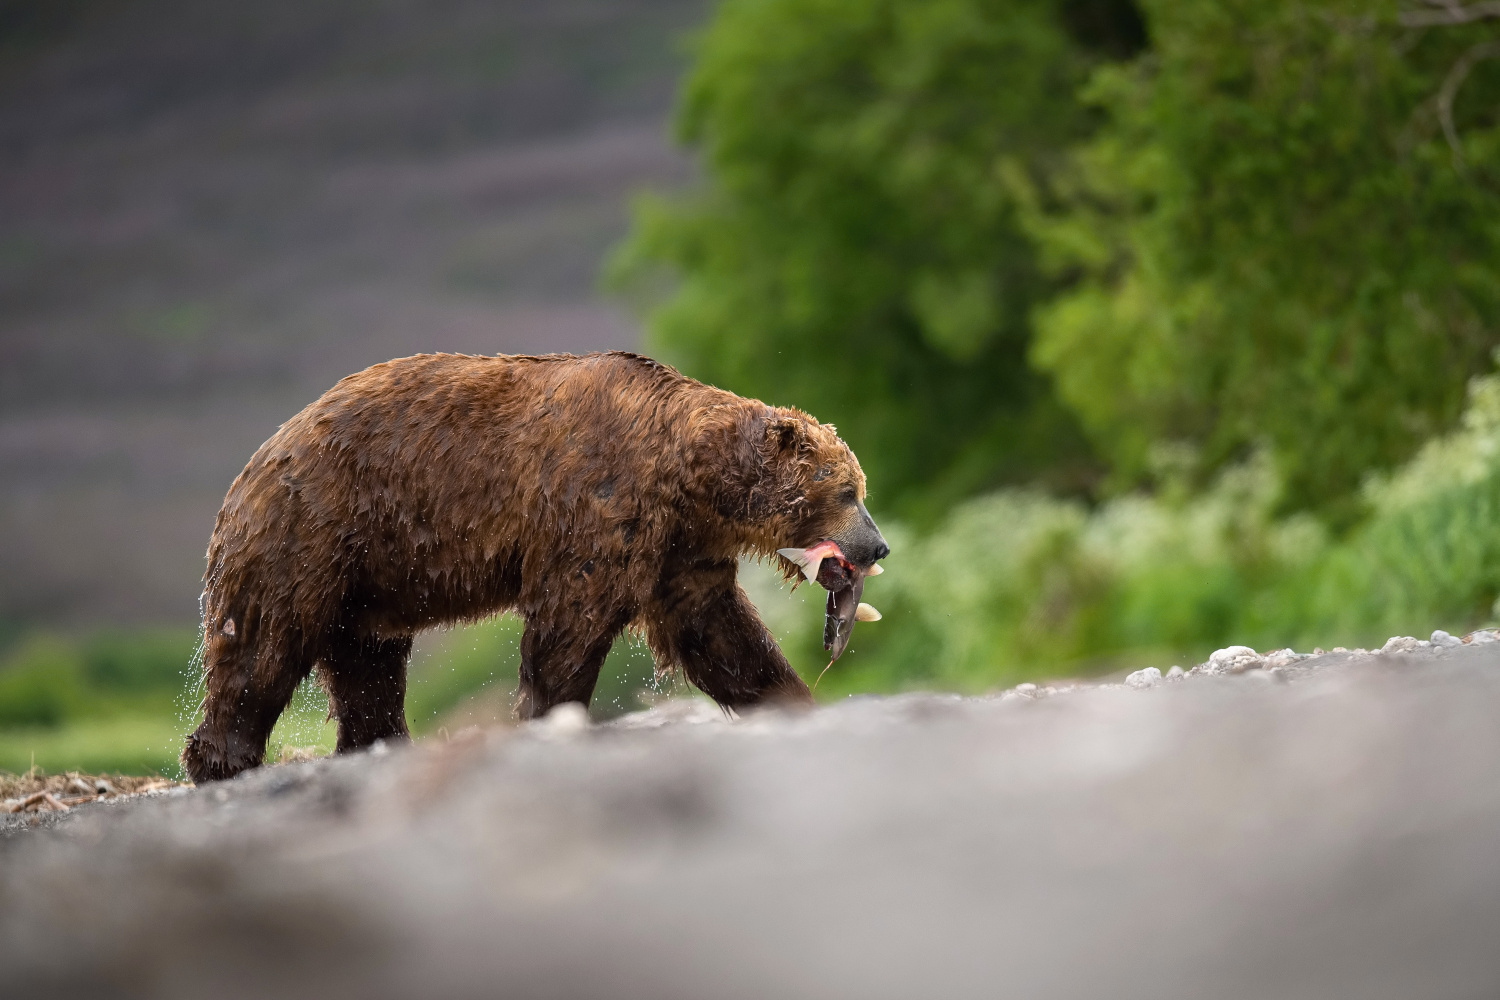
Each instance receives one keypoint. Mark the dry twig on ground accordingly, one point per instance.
(37, 791)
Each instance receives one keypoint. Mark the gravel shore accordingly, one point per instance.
(1257, 826)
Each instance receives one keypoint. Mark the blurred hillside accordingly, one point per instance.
(211, 211)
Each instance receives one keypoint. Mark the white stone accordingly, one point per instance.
(1482, 636)
(1224, 657)
(1150, 677)
(1232, 660)
(1441, 638)
(1175, 673)
(564, 720)
(1399, 644)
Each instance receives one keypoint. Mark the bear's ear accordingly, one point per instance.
(784, 434)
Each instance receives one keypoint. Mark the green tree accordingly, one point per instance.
(1275, 242)
(853, 248)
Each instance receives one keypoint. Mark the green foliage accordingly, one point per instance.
(107, 701)
(455, 664)
(1252, 262)
(1276, 246)
(1252, 236)
(40, 685)
(854, 252)
(140, 660)
(1429, 556)
(485, 658)
(1017, 586)
(48, 680)
(129, 744)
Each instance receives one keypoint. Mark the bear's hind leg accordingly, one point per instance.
(366, 684)
(560, 666)
(248, 688)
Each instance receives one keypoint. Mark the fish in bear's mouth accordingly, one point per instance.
(845, 583)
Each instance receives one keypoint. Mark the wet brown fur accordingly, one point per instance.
(590, 494)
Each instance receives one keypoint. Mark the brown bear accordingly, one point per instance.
(590, 494)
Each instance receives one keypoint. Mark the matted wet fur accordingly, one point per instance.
(590, 494)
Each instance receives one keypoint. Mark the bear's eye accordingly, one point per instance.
(848, 496)
(823, 473)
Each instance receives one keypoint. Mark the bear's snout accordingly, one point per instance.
(863, 543)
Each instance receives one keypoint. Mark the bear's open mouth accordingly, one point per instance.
(845, 583)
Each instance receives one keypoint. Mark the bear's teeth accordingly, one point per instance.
(875, 570)
(866, 613)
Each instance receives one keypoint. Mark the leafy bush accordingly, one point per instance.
(1278, 247)
(1429, 556)
(1017, 585)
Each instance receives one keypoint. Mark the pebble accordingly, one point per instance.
(563, 720)
(1150, 677)
(1232, 660)
(1441, 638)
(1223, 656)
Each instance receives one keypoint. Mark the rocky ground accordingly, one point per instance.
(1260, 826)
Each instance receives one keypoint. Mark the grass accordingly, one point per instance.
(134, 744)
(124, 700)
(108, 701)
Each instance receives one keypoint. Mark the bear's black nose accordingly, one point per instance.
(881, 551)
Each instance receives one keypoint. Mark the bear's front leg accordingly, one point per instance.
(249, 682)
(703, 621)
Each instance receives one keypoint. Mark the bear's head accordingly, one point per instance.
(800, 485)
(825, 488)
(803, 497)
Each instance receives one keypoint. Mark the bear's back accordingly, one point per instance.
(444, 459)
(458, 414)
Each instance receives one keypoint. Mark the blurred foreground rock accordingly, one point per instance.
(1329, 827)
